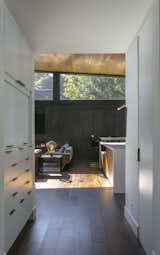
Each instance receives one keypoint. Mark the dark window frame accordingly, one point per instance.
(56, 91)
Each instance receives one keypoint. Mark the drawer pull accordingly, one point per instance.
(8, 152)
(14, 194)
(29, 192)
(20, 148)
(27, 182)
(10, 146)
(12, 212)
(20, 83)
(14, 164)
(21, 201)
(25, 143)
(27, 158)
(14, 179)
(27, 170)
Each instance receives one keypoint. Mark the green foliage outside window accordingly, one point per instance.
(92, 87)
(80, 87)
(43, 86)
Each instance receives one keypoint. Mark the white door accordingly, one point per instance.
(9, 115)
(11, 42)
(146, 132)
(132, 172)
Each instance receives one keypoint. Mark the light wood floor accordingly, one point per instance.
(82, 175)
(76, 181)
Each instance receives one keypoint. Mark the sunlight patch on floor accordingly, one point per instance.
(75, 181)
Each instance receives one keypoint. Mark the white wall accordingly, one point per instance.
(1, 166)
(156, 99)
(132, 179)
(73, 26)
(131, 206)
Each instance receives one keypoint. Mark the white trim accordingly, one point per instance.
(33, 215)
(132, 221)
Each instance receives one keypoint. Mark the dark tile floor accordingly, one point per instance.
(78, 222)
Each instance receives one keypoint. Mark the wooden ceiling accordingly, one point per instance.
(112, 64)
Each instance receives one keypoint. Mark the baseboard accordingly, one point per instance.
(132, 222)
(33, 215)
(154, 253)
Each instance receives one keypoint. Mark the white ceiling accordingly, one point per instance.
(79, 26)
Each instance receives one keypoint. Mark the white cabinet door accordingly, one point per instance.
(26, 119)
(9, 114)
(15, 116)
(146, 133)
(27, 65)
(25, 72)
(18, 57)
(132, 143)
(11, 43)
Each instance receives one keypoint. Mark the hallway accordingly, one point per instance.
(78, 222)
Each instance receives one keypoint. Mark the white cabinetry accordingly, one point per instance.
(18, 56)
(115, 155)
(140, 108)
(132, 140)
(11, 45)
(16, 135)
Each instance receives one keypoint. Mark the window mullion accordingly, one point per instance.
(56, 81)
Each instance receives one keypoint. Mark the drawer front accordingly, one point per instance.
(17, 213)
(12, 227)
(23, 152)
(10, 156)
(13, 191)
(27, 181)
(15, 220)
(27, 162)
(12, 172)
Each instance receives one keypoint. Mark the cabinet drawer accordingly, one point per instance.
(16, 217)
(27, 162)
(23, 152)
(13, 189)
(10, 156)
(12, 227)
(27, 182)
(27, 208)
(12, 173)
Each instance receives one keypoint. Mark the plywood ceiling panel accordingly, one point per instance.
(112, 64)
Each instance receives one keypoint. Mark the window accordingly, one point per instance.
(91, 87)
(43, 86)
